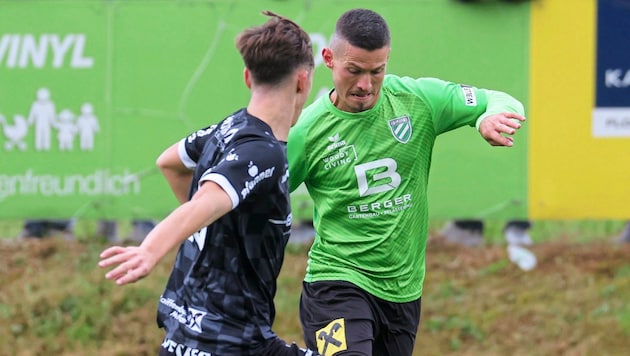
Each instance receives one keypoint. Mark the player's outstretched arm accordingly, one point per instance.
(132, 263)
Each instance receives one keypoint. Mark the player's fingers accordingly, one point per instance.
(513, 123)
(507, 141)
(111, 251)
(131, 275)
(124, 279)
(124, 262)
(513, 115)
(500, 140)
(115, 275)
(507, 129)
(134, 275)
(115, 258)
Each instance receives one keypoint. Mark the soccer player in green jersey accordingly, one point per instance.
(364, 152)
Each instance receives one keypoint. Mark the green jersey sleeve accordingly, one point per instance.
(452, 105)
(296, 155)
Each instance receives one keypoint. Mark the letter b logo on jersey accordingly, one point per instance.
(377, 176)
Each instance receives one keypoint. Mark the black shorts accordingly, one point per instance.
(272, 347)
(339, 318)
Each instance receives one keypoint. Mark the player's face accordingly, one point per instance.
(358, 76)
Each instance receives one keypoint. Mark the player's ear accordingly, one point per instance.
(303, 77)
(327, 55)
(246, 77)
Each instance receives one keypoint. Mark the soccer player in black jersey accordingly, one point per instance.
(235, 218)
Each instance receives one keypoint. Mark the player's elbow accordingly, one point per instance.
(162, 162)
(169, 161)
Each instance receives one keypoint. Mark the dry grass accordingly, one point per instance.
(54, 300)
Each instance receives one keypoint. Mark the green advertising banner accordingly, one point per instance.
(91, 92)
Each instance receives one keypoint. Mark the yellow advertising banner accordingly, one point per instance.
(579, 164)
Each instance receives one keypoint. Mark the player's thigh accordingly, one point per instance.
(399, 327)
(336, 318)
(399, 344)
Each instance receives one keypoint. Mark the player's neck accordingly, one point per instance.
(276, 109)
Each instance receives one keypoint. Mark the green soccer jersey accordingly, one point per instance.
(367, 174)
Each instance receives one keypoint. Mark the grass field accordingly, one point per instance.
(55, 301)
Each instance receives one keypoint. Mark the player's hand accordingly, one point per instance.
(132, 263)
(498, 129)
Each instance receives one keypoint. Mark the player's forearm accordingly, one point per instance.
(168, 234)
(208, 204)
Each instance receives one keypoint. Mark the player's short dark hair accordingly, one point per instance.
(363, 28)
(275, 49)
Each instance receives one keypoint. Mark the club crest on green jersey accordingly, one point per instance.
(401, 128)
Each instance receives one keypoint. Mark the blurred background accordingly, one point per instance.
(91, 92)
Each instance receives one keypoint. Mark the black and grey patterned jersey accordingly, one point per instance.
(219, 297)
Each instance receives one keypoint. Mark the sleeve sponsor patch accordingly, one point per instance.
(469, 95)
